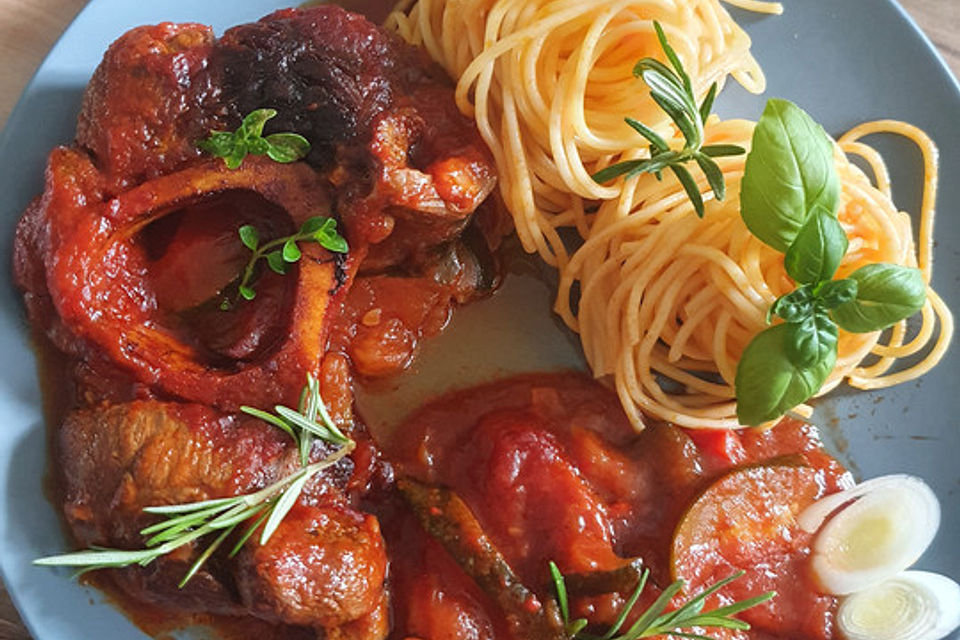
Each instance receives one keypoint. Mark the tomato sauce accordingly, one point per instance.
(552, 470)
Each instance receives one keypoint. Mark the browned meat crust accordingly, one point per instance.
(157, 374)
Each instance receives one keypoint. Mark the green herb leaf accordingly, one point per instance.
(886, 294)
(707, 105)
(316, 223)
(721, 150)
(714, 175)
(282, 252)
(666, 93)
(283, 506)
(833, 293)
(234, 147)
(560, 586)
(185, 523)
(672, 57)
(329, 239)
(658, 142)
(795, 306)
(672, 90)
(276, 262)
(769, 383)
(235, 158)
(818, 248)
(812, 339)
(690, 186)
(789, 172)
(655, 621)
(250, 237)
(220, 143)
(253, 123)
(286, 147)
(257, 147)
(291, 252)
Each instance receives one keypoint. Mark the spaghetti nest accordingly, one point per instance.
(666, 302)
(548, 82)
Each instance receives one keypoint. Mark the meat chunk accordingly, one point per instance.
(409, 168)
(125, 259)
(324, 566)
(328, 72)
(401, 167)
(116, 461)
(96, 278)
(149, 101)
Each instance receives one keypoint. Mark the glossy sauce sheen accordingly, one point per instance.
(125, 263)
(552, 470)
(129, 266)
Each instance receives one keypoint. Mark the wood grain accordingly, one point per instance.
(28, 28)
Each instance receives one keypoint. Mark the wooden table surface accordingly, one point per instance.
(28, 28)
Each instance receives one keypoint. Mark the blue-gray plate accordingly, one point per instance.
(845, 62)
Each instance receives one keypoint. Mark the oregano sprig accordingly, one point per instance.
(672, 90)
(655, 620)
(248, 139)
(266, 508)
(280, 253)
(789, 199)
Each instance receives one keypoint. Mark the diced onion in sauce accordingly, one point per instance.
(914, 605)
(885, 525)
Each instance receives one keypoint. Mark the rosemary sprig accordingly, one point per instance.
(282, 252)
(656, 620)
(673, 91)
(248, 139)
(267, 507)
(310, 420)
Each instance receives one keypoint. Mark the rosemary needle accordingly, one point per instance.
(184, 523)
(655, 620)
(672, 90)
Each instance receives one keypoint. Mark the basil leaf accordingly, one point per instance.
(817, 250)
(810, 340)
(795, 306)
(789, 171)
(833, 293)
(769, 383)
(886, 294)
(252, 127)
(286, 147)
(250, 237)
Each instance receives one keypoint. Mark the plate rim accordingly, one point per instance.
(18, 112)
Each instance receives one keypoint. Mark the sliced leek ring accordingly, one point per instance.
(885, 525)
(914, 605)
